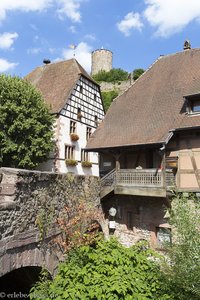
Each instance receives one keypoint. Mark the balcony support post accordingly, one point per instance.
(163, 165)
(117, 156)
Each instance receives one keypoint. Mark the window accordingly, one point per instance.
(95, 97)
(163, 236)
(72, 127)
(81, 89)
(193, 104)
(84, 156)
(69, 152)
(196, 106)
(88, 132)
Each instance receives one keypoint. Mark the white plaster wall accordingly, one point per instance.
(64, 139)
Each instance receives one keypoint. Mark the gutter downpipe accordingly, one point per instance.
(163, 165)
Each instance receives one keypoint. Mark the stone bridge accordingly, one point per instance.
(30, 202)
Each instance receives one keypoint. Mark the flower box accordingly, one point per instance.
(71, 162)
(86, 164)
(74, 137)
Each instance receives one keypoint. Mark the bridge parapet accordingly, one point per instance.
(30, 202)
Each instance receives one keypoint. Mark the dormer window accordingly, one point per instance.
(193, 104)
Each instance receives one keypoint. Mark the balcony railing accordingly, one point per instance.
(138, 179)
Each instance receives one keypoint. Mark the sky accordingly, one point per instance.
(136, 31)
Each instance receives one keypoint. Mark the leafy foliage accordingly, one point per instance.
(113, 75)
(108, 98)
(183, 273)
(105, 271)
(25, 124)
(137, 73)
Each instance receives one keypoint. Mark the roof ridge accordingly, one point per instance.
(180, 52)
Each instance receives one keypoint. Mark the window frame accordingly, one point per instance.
(73, 126)
(190, 104)
(85, 155)
(88, 132)
(69, 152)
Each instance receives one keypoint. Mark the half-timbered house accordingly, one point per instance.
(75, 100)
(149, 144)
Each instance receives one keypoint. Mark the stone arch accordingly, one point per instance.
(17, 283)
(45, 254)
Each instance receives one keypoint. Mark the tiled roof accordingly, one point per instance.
(153, 105)
(56, 81)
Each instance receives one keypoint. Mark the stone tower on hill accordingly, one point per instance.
(101, 60)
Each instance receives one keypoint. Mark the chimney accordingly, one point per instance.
(187, 45)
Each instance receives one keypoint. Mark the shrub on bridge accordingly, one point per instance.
(25, 124)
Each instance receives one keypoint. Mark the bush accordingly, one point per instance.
(108, 98)
(113, 75)
(137, 73)
(105, 271)
(182, 275)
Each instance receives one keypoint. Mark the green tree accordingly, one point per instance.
(108, 98)
(105, 271)
(137, 73)
(113, 75)
(26, 126)
(182, 275)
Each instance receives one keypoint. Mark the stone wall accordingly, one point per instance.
(138, 218)
(120, 86)
(30, 203)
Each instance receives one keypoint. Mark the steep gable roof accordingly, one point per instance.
(153, 105)
(56, 81)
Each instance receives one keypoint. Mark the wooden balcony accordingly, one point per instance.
(143, 182)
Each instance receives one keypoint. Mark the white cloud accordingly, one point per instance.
(171, 16)
(131, 21)
(7, 39)
(6, 65)
(90, 37)
(72, 29)
(82, 55)
(34, 51)
(64, 8)
(70, 8)
(22, 5)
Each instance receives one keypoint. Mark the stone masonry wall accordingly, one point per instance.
(25, 195)
(120, 86)
(137, 217)
(30, 203)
